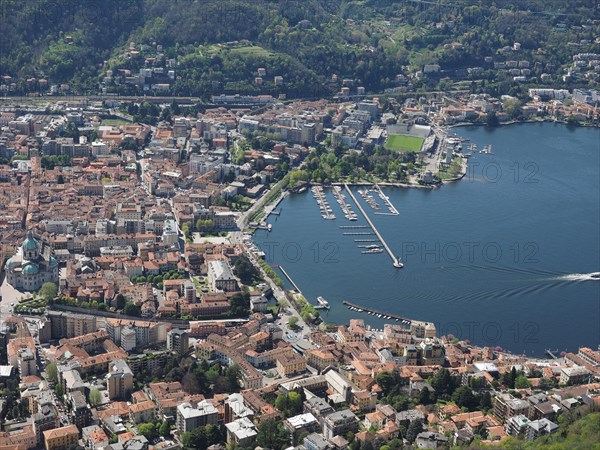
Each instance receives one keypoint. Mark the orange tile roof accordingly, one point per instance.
(61, 432)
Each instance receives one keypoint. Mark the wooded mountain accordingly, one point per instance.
(304, 41)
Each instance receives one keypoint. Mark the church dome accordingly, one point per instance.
(29, 244)
(30, 269)
(52, 262)
(8, 263)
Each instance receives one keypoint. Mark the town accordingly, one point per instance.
(137, 313)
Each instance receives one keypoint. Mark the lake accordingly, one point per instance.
(503, 257)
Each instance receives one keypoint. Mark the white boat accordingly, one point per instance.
(324, 303)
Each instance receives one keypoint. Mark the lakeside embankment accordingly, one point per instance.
(517, 122)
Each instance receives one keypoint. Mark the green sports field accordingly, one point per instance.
(403, 143)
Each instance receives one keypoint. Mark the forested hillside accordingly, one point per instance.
(215, 46)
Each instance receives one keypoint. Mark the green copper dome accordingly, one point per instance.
(30, 269)
(30, 243)
(52, 262)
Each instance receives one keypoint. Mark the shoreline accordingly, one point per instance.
(517, 122)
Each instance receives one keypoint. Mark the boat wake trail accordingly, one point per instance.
(592, 276)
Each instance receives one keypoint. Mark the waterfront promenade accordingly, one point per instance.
(395, 261)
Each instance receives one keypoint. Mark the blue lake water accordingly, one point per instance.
(502, 257)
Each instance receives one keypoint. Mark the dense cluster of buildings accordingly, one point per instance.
(114, 228)
(334, 369)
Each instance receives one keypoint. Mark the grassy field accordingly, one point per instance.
(114, 122)
(404, 143)
(252, 51)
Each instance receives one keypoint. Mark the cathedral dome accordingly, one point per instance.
(30, 269)
(29, 244)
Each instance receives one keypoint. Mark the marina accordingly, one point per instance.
(472, 287)
(406, 322)
(395, 261)
(319, 195)
(386, 201)
(367, 197)
(346, 208)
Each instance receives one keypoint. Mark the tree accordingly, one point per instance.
(272, 435)
(120, 301)
(289, 404)
(443, 384)
(426, 397)
(513, 108)
(522, 382)
(463, 397)
(387, 381)
(185, 229)
(294, 403)
(486, 401)
(293, 322)
(232, 375)
(48, 291)
(245, 270)
(58, 390)
(491, 119)
(131, 309)
(95, 397)
(415, 427)
(148, 430)
(509, 378)
(240, 304)
(165, 429)
(52, 373)
(204, 225)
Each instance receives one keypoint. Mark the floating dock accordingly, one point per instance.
(386, 201)
(395, 261)
(406, 322)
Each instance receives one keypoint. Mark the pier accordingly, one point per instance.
(366, 240)
(552, 353)
(290, 279)
(395, 260)
(353, 226)
(386, 201)
(405, 320)
(366, 233)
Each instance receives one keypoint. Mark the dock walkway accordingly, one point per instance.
(406, 322)
(386, 201)
(395, 260)
(290, 279)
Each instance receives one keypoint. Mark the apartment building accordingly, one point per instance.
(62, 438)
(120, 380)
